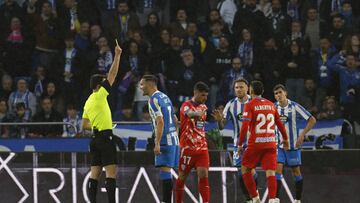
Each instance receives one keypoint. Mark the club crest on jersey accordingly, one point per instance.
(239, 116)
(200, 124)
(284, 118)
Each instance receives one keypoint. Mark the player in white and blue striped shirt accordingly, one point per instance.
(291, 112)
(165, 127)
(233, 111)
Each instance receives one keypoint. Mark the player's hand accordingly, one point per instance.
(286, 144)
(300, 140)
(240, 149)
(118, 49)
(157, 149)
(217, 115)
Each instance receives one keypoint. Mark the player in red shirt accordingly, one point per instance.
(260, 115)
(193, 146)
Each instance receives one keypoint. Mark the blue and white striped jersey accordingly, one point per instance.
(289, 115)
(160, 105)
(234, 111)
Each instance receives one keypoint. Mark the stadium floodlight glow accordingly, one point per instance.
(3, 164)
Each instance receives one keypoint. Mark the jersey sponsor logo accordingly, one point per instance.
(264, 139)
(284, 119)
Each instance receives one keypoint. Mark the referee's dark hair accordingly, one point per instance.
(96, 80)
(279, 86)
(150, 78)
(257, 86)
(201, 87)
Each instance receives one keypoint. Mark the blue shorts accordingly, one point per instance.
(290, 158)
(237, 157)
(169, 156)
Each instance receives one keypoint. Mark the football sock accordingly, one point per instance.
(92, 189)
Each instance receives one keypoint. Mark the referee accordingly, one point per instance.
(97, 116)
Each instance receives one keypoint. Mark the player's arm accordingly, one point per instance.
(311, 121)
(86, 124)
(159, 129)
(221, 117)
(282, 130)
(115, 65)
(247, 116)
(193, 114)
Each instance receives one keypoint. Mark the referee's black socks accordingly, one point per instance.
(92, 190)
(167, 186)
(110, 186)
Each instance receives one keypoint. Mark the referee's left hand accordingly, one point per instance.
(157, 149)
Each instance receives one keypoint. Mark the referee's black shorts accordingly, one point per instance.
(102, 148)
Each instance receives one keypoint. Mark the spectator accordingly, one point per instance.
(6, 86)
(214, 17)
(215, 33)
(189, 74)
(82, 41)
(47, 114)
(72, 116)
(268, 66)
(39, 81)
(293, 10)
(8, 10)
(193, 41)
(295, 69)
(127, 113)
(143, 45)
(180, 25)
(71, 16)
(21, 115)
(338, 32)
(351, 45)
(352, 22)
(173, 64)
(71, 65)
(107, 9)
(17, 55)
(145, 8)
(246, 50)
(95, 33)
(3, 115)
(48, 33)
(105, 57)
(123, 22)
(265, 7)
(349, 76)
(236, 72)
(227, 10)
(22, 95)
(322, 61)
(140, 101)
(146, 114)
(57, 100)
(298, 35)
(312, 98)
(331, 109)
(249, 17)
(279, 21)
(152, 28)
(219, 61)
(313, 28)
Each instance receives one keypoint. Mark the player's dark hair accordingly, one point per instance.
(257, 86)
(201, 87)
(241, 80)
(150, 78)
(279, 86)
(96, 80)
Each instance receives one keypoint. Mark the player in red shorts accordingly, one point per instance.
(193, 146)
(261, 115)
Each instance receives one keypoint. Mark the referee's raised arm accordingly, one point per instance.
(115, 65)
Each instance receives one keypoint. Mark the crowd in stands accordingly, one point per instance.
(49, 50)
